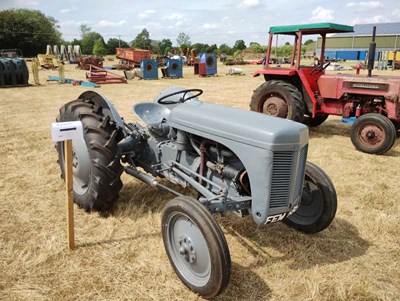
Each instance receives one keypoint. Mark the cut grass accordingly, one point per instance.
(122, 257)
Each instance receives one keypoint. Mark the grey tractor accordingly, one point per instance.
(235, 160)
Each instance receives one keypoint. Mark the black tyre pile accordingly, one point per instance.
(13, 72)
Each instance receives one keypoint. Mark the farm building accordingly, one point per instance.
(355, 45)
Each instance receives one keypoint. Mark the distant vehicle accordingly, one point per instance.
(11, 53)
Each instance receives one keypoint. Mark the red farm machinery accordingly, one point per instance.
(131, 57)
(307, 94)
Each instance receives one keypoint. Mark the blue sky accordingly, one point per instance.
(222, 21)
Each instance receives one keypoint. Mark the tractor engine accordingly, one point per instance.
(205, 157)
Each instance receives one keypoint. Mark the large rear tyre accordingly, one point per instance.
(96, 165)
(318, 202)
(280, 99)
(196, 246)
(373, 133)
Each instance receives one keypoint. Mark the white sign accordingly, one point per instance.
(61, 131)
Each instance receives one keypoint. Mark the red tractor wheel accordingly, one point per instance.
(280, 99)
(373, 134)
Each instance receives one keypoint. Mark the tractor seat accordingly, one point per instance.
(152, 114)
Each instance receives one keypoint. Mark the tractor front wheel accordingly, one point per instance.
(196, 246)
(373, 133)
(318, 202)
(278, 98)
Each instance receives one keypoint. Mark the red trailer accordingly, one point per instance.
(132, 56)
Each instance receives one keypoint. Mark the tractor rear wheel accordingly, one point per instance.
(96, 165)
(278, 98)
(196, 246)
(318, 202)
(373, 133)
(316, 121)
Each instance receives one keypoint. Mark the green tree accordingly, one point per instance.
(113, 43)
(224, 48)
(213, 48)
(84, 29)
(283, 51)
(239, 45)
(88, 42)
(76, 42)
(99, 47)
(183, 39)
(200, 47)
(142, 40)
(165, 46)
(308, 42)
(256, 47)
(29, 30)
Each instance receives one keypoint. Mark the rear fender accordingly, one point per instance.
(103, 102)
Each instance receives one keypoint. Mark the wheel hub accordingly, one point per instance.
(371, 135)
(80, 166)
(74, 160)
(186, 249)
(275, 106)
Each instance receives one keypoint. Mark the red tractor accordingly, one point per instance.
(306, 94)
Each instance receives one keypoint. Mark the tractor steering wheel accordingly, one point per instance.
(182, 99)
(319, 68)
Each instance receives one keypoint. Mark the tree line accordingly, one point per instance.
(31, 31)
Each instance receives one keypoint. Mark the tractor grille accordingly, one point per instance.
(288, 167)
(281, 175)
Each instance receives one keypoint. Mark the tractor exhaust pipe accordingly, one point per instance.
(371, 53)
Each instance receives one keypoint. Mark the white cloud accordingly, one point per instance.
(27, 3)
(226, 19)
(396, 12)
(146, 14)
(106, 23)
(365, 5)
(374, 19)
(210, 25)
(174, 16)
(178, 18)
(67, 10)
(149, 26)
(73, 23)
(250, 4)
(321, 14)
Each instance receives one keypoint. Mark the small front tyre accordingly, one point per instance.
(373, 134)
(196, 246)
(318, 202)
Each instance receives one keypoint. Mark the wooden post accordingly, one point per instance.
(70, 196)
(66, 132)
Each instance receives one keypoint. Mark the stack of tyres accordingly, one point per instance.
(13, 72)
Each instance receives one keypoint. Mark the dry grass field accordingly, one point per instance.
(122, 257)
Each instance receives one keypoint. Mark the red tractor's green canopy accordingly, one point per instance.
(315, 28)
